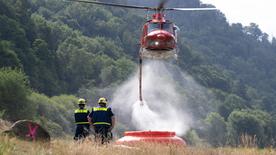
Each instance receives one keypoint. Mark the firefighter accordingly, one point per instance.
(103, 121)
(82, 123)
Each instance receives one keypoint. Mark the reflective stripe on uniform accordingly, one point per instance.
(82, 122)
(81, 111)
(99, 109)
(101, 123)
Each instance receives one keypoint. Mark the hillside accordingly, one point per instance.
(51, 48)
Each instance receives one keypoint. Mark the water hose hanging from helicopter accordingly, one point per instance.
(140, 78)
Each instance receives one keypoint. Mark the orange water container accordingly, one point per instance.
(160, 137)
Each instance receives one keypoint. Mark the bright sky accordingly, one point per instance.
(261, 12)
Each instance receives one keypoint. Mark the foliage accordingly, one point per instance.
(14, 92)
(7, 55)
(231, 103)
(2, 112)
(192, 138)
(56, 113)
(216, 129)
(252, 123)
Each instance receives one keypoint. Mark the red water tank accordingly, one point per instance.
(161, 137)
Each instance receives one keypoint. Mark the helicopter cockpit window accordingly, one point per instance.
(168, 27)
(153, 26)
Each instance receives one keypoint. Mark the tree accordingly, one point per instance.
(273, 129)
(254, 31)
(124, 67)
(254, 123)
(213, 77)
(273, 42)
(14, 92)
(192, 138)
(55, 113)
(231, 103)
(216, 129)
(8, 57)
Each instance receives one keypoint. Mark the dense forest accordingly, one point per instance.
(49, 48)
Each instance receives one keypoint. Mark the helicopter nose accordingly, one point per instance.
(161, 36)
(160, 41)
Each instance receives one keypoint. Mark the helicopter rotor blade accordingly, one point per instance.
(113, 4)
(160, 7)
(190, 9)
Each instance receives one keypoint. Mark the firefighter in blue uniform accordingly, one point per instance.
(81, 120)
(103, 120)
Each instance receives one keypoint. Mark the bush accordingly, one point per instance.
(2, 112)
(55, 130)
(192, 138)
(252, 123)
(14, 92)
(56, 113)
(216, 129)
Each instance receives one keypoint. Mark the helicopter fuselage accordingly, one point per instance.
(158, 40)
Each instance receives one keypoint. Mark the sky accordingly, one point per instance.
(261, 12)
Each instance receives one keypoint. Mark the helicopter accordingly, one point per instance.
(159, 35)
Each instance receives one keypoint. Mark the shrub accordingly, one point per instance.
(14, 91)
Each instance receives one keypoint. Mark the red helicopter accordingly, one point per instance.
(159, 36)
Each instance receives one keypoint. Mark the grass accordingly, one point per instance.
(13, 146)
(4, 125)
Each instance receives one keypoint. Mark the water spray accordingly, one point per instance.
(163, 106)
